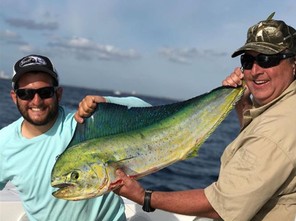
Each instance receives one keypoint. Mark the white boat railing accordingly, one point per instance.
(11, 209)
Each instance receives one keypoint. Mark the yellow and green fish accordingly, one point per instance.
(140, 141)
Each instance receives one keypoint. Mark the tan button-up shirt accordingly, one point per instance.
(257, 176)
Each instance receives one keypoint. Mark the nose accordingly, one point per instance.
(255, 68)
(37, 99)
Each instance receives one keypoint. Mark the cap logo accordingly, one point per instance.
(267, 31)
(32, 60)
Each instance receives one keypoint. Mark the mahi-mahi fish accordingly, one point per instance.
(138, 140)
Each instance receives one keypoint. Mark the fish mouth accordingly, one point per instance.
(73, 192)
(63, 189)
(63, 185)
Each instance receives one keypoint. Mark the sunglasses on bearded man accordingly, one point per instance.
(29, 94)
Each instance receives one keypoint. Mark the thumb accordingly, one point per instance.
(120, 173)
(78, 118)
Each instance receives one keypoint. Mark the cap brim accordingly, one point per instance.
(33, 68)
(260, 47)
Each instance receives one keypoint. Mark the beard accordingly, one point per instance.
(50, 116)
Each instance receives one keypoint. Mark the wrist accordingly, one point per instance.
(147, 201)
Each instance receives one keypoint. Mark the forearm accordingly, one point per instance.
(189, 202)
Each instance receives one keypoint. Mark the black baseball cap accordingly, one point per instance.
(33, 63)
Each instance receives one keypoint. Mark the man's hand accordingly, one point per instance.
(235, 79)
(87, 106)
(131, 189)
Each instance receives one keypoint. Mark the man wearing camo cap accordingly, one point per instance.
(257, 179)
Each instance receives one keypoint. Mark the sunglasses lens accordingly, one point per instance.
(46, 92)
(25, 94)
(28, 94)
(264, 61)
(247, 61)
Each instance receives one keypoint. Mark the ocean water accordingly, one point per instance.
(197, 172)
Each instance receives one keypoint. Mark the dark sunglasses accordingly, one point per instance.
(263, 60)
(29, 94)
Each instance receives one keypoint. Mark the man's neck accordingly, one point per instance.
(29, 130)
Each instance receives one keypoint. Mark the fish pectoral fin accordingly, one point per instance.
(125, 159)
(118, 163)
(137, 174)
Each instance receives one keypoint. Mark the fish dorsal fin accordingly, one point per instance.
(109, 119)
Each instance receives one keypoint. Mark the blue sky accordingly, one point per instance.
(165, 48)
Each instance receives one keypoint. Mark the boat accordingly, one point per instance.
(11, 209)
(3, 75)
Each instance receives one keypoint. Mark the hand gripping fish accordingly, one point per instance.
(138, 140)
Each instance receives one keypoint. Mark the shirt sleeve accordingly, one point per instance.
(2, 179)
(249, 178)
(3, 140)
(127, 101)
(2, 183)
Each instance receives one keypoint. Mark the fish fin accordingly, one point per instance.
(109, 119)
(120, 164)
(194, 153)
(112, 162)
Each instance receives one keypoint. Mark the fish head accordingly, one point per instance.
(77, 181)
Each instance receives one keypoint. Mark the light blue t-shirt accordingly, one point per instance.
(28, 163)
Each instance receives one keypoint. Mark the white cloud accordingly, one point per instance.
(27, 49)
(4, 75)
(187, 55)
(31, 24)
(88, 49)
(11, 37)
(9, 34)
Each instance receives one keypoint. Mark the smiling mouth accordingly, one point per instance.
(260, 82)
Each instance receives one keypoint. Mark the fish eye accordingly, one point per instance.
(74, 175)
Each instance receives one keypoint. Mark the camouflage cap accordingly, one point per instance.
(269, 37)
